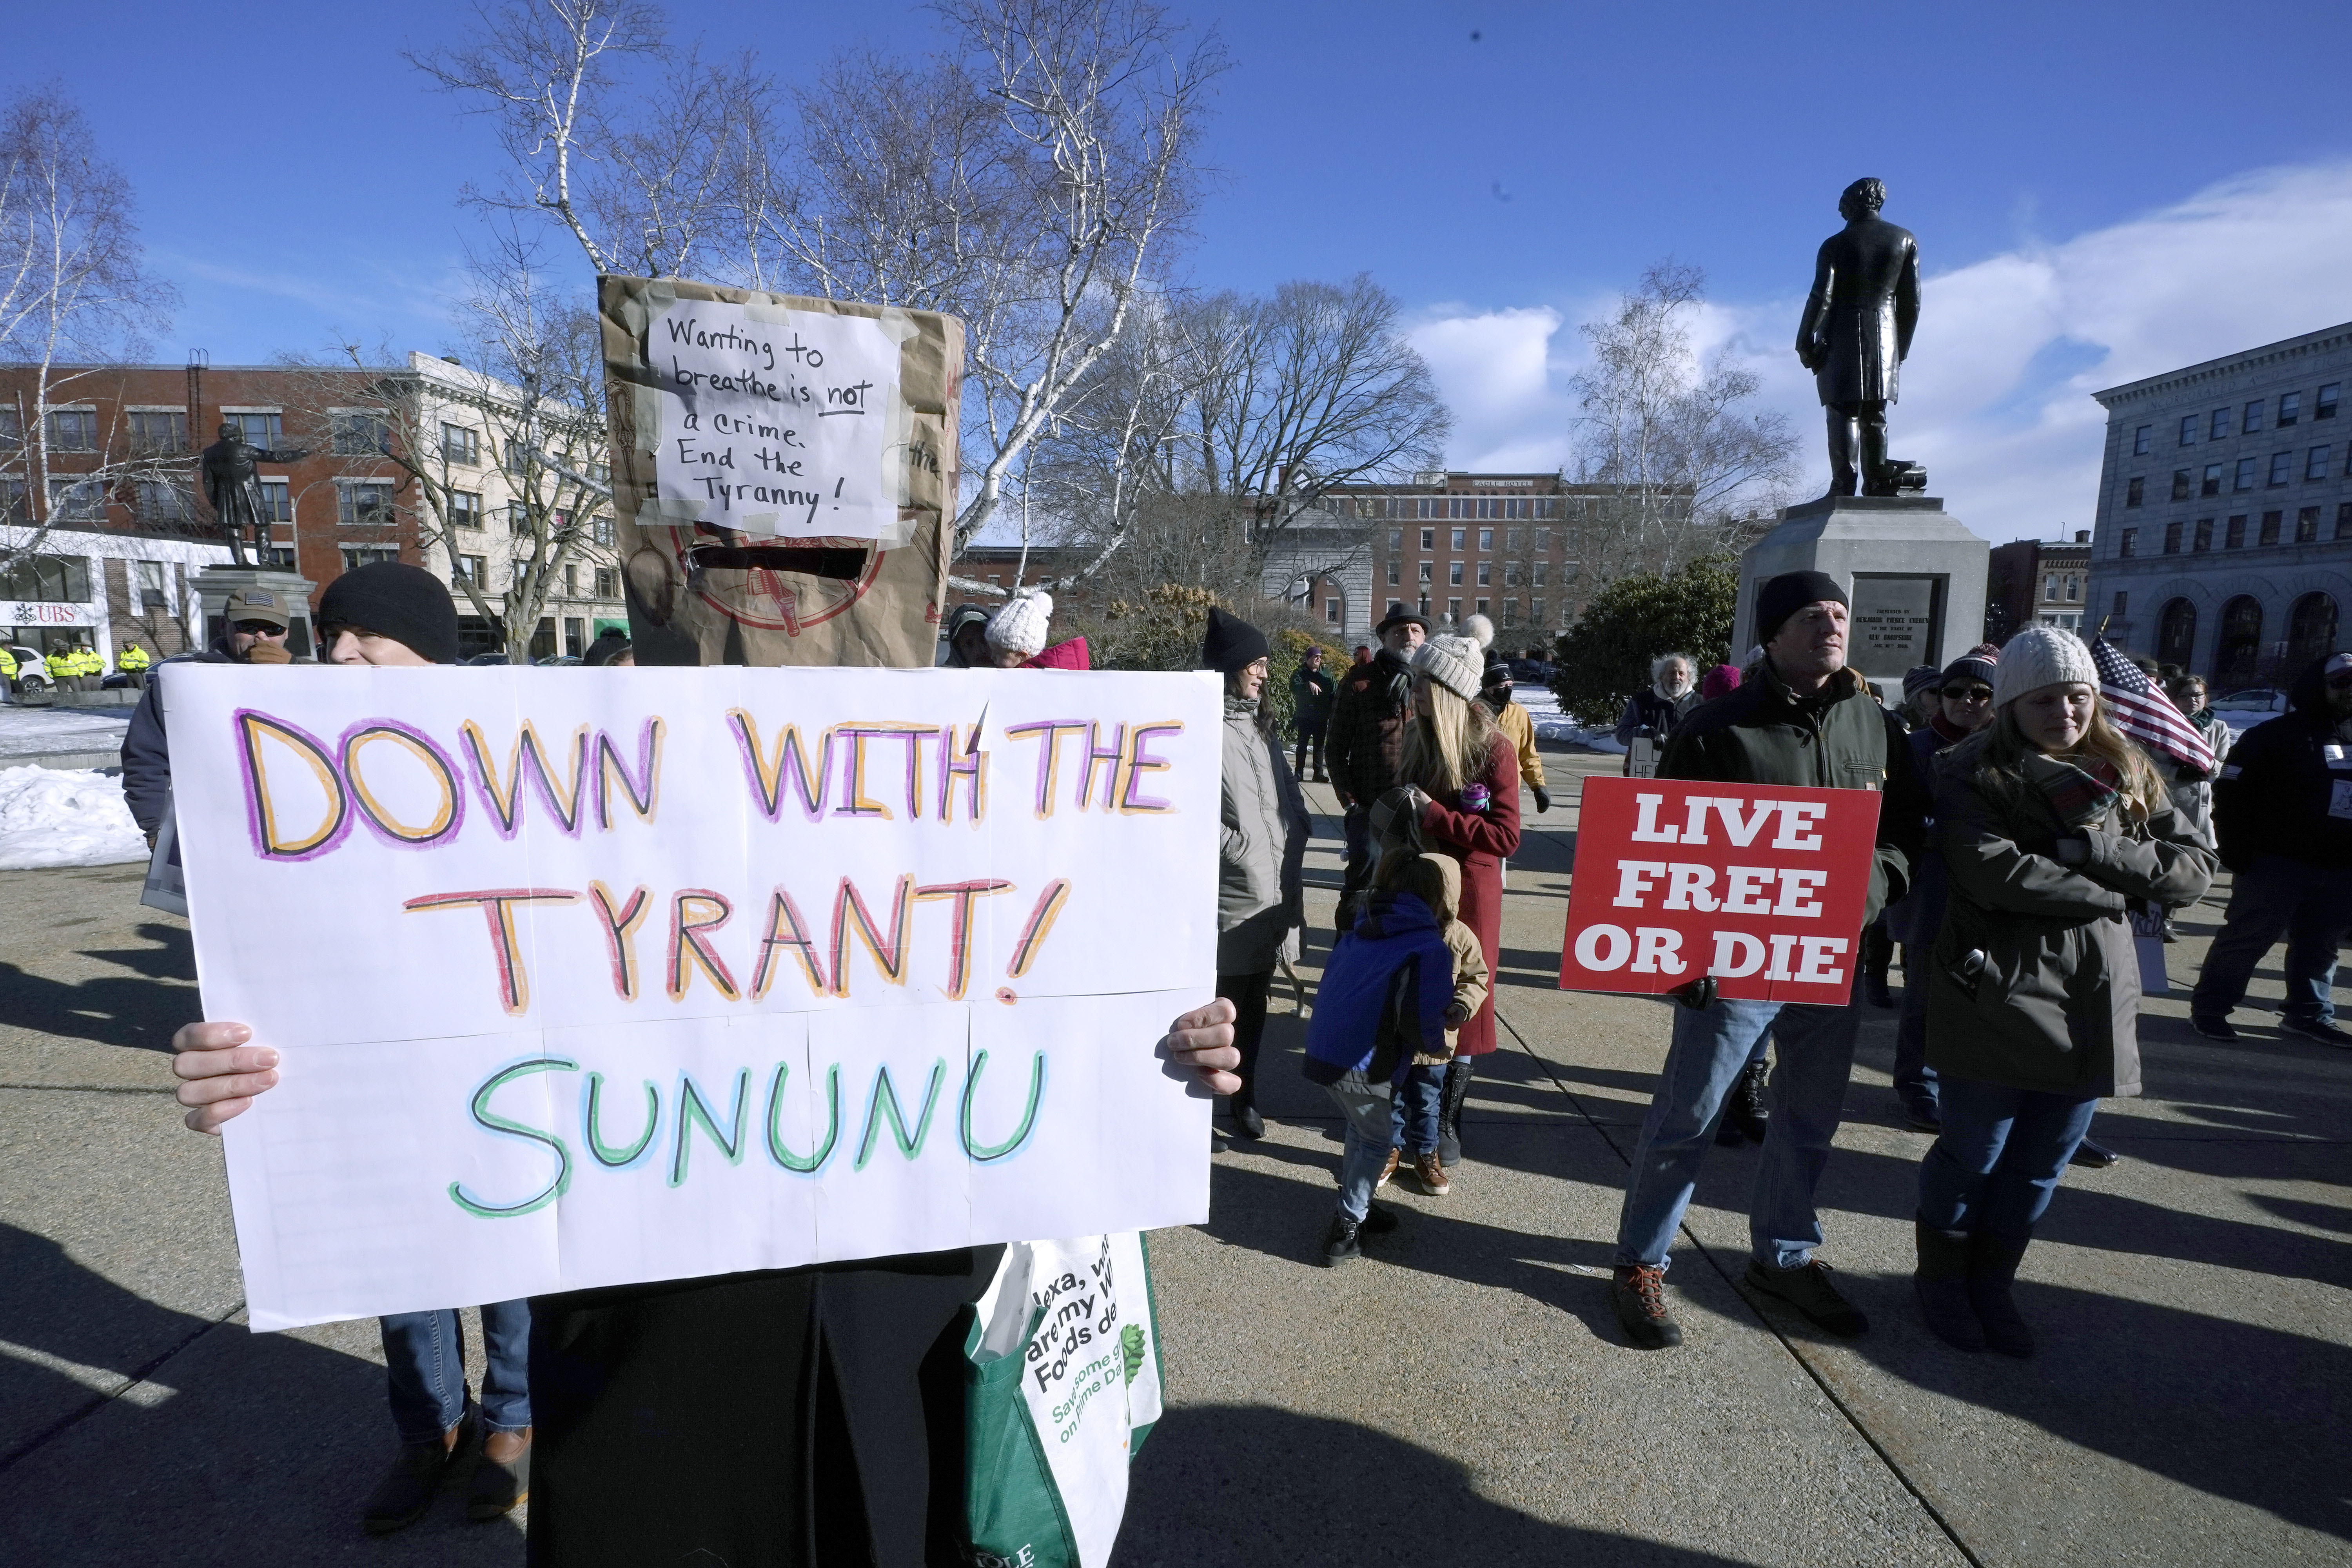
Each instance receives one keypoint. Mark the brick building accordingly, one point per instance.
(2038, 581)
(1455, 544)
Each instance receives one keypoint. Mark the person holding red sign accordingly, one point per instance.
(1465, 778)
(2053, 828)
(1802, 717)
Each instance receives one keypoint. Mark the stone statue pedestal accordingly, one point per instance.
(215, 584)
(1913, 576)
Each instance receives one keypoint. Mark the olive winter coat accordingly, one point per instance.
(1261, 849)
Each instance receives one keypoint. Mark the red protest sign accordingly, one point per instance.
(1762, 886)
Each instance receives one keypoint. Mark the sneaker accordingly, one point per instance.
(1395, 1156)
(2093, 1156)
(2319, 1030)
(1807, 1287)
(1431, 1174)
(1639, 1291)
(2213, 1029)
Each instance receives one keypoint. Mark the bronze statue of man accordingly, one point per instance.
(233, 484)
(1854, 336)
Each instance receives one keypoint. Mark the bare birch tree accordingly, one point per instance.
(75, 302)
(1681, 461)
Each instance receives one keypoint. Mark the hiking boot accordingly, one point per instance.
(2319, 1030)
(1431, 1174)
(1992, 1271)
(1748, 1104)
(1451, 1096)
(1343, 1243)
(501, 1480)
(1807, 1287)
(2213, 1026)
(407, 1489)
(2093, 1156)
(1942, 1287)
(1639, 1291)
(1396, 1156)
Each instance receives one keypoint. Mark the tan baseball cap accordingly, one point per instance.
(256, 604)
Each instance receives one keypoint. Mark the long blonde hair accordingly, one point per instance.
(2005, 747)
(1449, 740)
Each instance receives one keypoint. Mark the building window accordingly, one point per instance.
(259, 429)
(1510, 573)
(465, 508)
(2219, 427)
(1539, 567)
(161, 502)
(2314, 465)
(1510, 612)
(2205, 533)
(154, 594)
(2210, 483)
(2176, 633)
(1426, 568)
(2188, 429)
(475, 569)
(73, 430)
(1511, 539)
(1454, 610)
(1429, 539)
(1482, 606)
(2135, 492)
(2281, 462)
(357, 435)
(278, 499)
(1486, 538)
(2142, 439)
(608, 583)
(1395, 568)
(519, 517)
(600, 530)
(364, 506)
(1331, 611)
(358, 555)
(2344, 520)
(1485, 574)
(2182, 481)
(2290, 408)
(2271, 520)
(2310, 632)
(571, 581)
(1459, 534)
(2324, 407)
(1543, 540)
(47, 579)
(76, 501)
(2050, 586)
(1396, 540)
(2235, 536)
(2253, 416)
(2123, 600)
(1453, 573)
(2306, 526)
(158, 433)
(2074, 586)
(2243, 480)
(1536, 613)
(2172, 538)
(461, 444)
(2128, 545)
(12, 426)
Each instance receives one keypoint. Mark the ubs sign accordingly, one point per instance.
(43, 613)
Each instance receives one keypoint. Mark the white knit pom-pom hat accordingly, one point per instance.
(1480, 630)
(1452, 662)
(2038, 657)
(1019, 627)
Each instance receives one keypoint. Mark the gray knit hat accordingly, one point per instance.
(1452, 662)
(2038, 657)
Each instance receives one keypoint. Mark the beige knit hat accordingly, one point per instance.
(1019, 627)
(2038, 657)
(1452, 662)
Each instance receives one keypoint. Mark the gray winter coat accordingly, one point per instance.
(2052, 1004)
(1263, 847)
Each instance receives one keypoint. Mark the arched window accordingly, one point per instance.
(2310, 632)
(2234, 660)
(2176, 633)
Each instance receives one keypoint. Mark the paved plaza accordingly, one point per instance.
(1463, 1396)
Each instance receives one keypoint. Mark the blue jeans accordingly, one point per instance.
(1413, 1123)
(424, 1370)
(1814, 1046)
(1998, 1160)
(1369, 1108)
(2310, 906)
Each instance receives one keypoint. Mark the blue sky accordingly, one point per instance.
(2101, 191)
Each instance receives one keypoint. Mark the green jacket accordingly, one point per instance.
(2052, 1004)
(1761, 734)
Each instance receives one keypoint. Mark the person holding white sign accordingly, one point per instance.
(1800, 717)
(2053, 827)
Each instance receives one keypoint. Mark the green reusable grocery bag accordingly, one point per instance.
(1062, 1385)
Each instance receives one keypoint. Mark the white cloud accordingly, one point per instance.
(1997, 391)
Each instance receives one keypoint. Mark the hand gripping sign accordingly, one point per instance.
(1760, 886)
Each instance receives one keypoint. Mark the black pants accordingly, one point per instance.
(1248, 993)
(1308, 735)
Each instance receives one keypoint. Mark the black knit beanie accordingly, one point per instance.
(1784, 596)
(392, 599)
(1230, 643)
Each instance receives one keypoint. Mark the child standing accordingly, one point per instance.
(1436, 882)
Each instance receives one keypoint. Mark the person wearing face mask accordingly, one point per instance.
(2053, 827)
(256, 633)
(2283, 811)
(1673, 692)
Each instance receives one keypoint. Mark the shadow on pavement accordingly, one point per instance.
(1243, 1485)
(113, 1010)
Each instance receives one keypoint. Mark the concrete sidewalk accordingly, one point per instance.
(1462, 1396)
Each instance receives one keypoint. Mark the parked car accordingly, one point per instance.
(32, 671)
(2252, 700)
(485, 659)
(559, 658)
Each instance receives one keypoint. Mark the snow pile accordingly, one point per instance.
(1542, 704)
(49, 818)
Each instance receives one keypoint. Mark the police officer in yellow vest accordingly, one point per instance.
(87, 668)
(132, 661)
(59, 664)
(7, 670)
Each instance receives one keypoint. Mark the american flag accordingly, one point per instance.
(2139, 708)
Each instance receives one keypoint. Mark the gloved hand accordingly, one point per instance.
(268, 652)
(1543, 798)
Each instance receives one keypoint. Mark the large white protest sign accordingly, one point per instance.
(585, 977)
(779, 423)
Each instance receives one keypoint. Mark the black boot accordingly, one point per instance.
(1942, 1286)
(1748, 1105)
(1449, 1098)
(1844, 438)
(1247, 1122)
(1877, 474)
(1877, 953)
(1992, 1270)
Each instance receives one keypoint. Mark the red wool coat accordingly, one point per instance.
(1481, 841)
